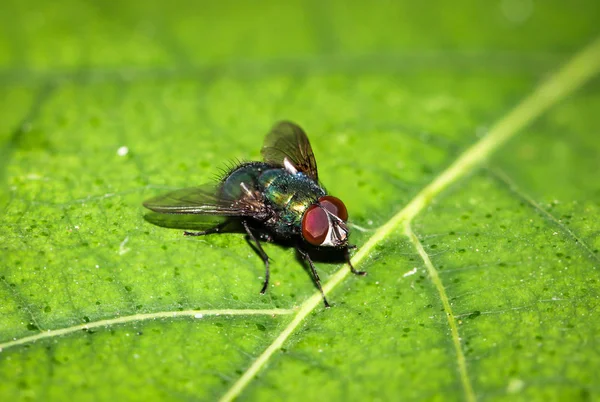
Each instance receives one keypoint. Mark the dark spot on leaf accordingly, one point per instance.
(559, 255)
(128, 288)
(86, 318)
(261, 327)
(47, 309)
(219, 324)
(488, 215)
(32, 327)
(539, 337)
(406, 329)
(474, 314)
(461, 250)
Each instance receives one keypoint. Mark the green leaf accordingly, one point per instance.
(463, 137)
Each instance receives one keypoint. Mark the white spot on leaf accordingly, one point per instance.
(411, 272)
(122, 248)
(122, 151)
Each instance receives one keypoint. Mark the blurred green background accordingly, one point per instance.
(104, 104)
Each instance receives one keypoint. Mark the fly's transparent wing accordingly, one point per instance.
(204, 200)
(287, 140)
(185, 222)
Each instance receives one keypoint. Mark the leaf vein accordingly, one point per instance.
(503, 178)
(437, 282)
(198, 314)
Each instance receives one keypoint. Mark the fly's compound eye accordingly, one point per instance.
(315, 225)
(335, 206)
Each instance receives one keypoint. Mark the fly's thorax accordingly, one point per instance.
(290, 194)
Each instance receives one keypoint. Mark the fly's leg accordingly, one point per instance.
(262, 255)
(347, 255)
(215, 229)
(306, 257)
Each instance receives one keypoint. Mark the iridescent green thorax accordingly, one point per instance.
(289, 195)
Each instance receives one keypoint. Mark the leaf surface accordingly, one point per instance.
(463, 140)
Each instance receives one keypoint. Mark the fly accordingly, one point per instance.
(279, 198)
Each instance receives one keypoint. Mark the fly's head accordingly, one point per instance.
(324, 223)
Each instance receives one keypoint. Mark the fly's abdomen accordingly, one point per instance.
(243, 179)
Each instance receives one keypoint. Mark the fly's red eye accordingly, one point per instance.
(315, 225)
(335, 206)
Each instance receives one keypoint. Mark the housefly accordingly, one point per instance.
(279, 198)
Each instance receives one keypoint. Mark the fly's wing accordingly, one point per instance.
(288, 141)
(186, 222)
(205, 200)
